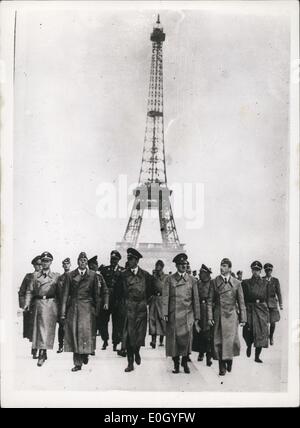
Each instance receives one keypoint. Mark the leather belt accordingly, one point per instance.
(44, 297)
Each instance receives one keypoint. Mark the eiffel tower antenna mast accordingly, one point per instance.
(152, 191)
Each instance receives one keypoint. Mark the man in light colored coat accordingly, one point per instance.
(43, 290)
(180, 309)
(225, 295)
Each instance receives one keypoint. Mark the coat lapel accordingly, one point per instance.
(221, 286)
(179, 279)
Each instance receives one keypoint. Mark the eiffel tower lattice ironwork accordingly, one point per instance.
(152, 191)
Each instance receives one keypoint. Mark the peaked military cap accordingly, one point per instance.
(160, 262)
(268, 266)
(82, 255)
(116, 253)
(45, 255)
(67, 260)
(205, 269)
(93, 260)
(256, 265)
(35, 260)
(180, 258)
(226, 261)
(132, 252)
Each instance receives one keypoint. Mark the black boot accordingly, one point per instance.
(137, 357)
(229, 365)
(272, 329)
(122, 353)
(248, 352)
(153, 341)
(34, 354)
(161, 340)
(85, 358)
(222, 368)
(176, 365)
(200, 356)
(42, 357)
(257, 354)
(60, 349)
(130, 360)
(208, 359)
(184, 363)
(115, 348)
(105, 345)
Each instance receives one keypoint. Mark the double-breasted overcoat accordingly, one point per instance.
(255, 293)
(181, 306)
(82, 295)
(43, 291)
(226, 307)
(136, 290)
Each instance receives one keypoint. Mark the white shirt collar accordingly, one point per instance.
(182, 274)
(226, 276)
(82, 272)
(135, 270)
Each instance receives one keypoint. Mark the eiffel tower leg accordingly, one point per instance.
(167, 222)
(134, 224)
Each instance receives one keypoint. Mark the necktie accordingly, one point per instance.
(225, 280)
(81, 273)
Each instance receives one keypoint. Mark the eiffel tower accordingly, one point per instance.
(152, 192)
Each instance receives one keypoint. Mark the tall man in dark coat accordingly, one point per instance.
(112, 275)
(181, 309)
(66, 264)
(82, 291)
(135, 292)
(43, 290)
(225, 295)
(255, 294)
(202, 339)
(28, 316)
(274, 297)
(157, 325)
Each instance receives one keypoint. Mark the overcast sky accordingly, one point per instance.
(80, 108)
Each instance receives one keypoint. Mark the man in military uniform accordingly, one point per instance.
(135, 292)
(273, 291)
(202, 339)
(255, 295)
(156, 320)
(112, 276)
(66, 264)
(224, 297)
(82, 290)
(28, 316)
(180, 309)
(43, 290)
(103, 294)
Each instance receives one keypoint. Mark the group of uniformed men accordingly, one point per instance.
(193, 313)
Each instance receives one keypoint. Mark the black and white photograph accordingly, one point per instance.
(149, 204)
